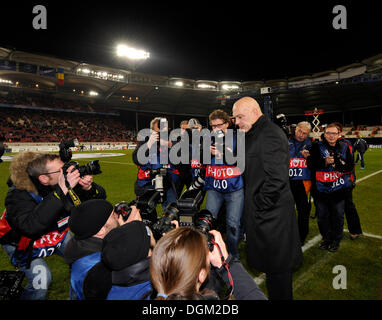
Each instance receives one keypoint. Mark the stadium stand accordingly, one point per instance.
(23, 119)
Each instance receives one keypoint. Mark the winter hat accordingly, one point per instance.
(126, 245)
(89, 217)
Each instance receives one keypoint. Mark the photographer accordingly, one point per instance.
(361, 146)
(180, 264)
(333, 163)
(144, 175)
(90, 222)
(37, 212)
(123, 272)
(300, 176)
(225, 186)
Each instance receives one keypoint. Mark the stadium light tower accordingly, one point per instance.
(133, 56)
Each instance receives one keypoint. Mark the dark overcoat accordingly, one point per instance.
(273, 242)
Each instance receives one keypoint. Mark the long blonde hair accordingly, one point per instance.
(176, 262)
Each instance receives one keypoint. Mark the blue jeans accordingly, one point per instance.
(38, 274)
(330, 218)
(234, 206)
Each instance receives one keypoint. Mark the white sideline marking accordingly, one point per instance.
(129, 164)
(312, 242)
(370, 175)
(369, 235)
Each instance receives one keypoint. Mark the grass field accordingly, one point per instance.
(313, 280)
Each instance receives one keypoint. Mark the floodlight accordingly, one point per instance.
(206, 86)
(132, 53)
(230, 87)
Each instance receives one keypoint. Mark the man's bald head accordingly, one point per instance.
(246, 112)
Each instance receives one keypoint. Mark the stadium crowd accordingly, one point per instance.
(115, 253)
(25, 125)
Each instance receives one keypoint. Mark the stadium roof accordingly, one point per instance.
(212, 46)
(353, 86)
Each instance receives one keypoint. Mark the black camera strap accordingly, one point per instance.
(225, 265)
(73, 196)
(76, 200)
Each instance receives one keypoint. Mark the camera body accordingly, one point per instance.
(164, 225)
(282, 122)
(217, 140)
(91, 168)
(146, 208)
(337, 158)
(203, 221)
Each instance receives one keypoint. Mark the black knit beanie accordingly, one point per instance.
(89, 217)
(126, 245)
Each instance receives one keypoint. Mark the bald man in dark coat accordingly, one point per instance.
(273, 244)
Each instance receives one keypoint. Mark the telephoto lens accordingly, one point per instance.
(164, 225)
(205, 222)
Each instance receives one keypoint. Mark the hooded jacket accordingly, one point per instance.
(28, 218)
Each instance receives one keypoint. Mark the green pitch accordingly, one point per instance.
(315, 279)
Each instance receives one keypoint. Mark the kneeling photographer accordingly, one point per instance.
(156, 181)
(38, 205)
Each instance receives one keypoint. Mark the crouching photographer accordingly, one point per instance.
(90, 223)
(180, 265)
(38, 204)
(123, 271)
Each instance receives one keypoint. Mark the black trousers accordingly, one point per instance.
(351, 214)
(303, 207)
(279, 286)
(360, 156)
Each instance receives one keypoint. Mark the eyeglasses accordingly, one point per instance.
(331, 133)
(46, 173)
(213, 126)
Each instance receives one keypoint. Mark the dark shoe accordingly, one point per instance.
(334, 247)
(324, 245)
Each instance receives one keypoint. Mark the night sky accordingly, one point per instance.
(232, 40)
